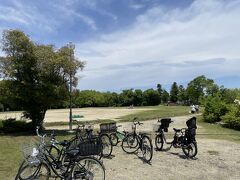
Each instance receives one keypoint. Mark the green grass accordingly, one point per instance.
(216, 131)
(157, 112)
(49, 124)
(11, 154)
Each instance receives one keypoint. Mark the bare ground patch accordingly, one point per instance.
(173, 164)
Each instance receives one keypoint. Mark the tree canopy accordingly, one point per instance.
(37, 75)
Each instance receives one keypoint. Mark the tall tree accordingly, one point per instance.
(199, 87)
(151, 97)
(37, 75)
(182, 97)
(165, 96)
(174, 92)
(160, 91)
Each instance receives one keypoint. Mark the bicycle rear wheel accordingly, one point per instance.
(130, 143)
(107, 145)
(114, 139)
(147, 149)
(32, 172)
(88, 168)
(190, 150)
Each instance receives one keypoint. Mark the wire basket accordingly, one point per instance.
(108, 127)
(30, 152)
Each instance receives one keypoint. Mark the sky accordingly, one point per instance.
(137, 43)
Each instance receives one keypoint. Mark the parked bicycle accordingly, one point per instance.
(112, 130)
(39, 162)
(134, 141)
(86, 132)
(183, 138)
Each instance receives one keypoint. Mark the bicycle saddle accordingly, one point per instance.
(177, 130)
(64, 143)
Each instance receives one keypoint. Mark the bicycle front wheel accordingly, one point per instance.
(147, 149)
(130, 143)
(88, 168)
(159, 142)
(32, 172)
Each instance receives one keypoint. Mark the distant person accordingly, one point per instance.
(193, 109)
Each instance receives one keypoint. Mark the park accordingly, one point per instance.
(112, 90)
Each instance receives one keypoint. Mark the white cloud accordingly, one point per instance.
(205, 30)
(25, 14)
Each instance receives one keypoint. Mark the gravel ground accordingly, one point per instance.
(215, 160)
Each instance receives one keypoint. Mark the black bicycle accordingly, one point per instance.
(183, 138)
(134, 141)
(84, 132)
(39, 163)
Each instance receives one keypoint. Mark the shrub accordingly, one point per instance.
(214, 109)
(232, 118)
(13, 126)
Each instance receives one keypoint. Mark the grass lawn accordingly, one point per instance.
(216, 131)
(157, 112)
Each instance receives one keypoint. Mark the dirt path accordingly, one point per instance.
(87, 113)
(216, 160)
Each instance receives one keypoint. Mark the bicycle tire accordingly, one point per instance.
(128, 145)
(159, 142)
(106, 145)
(147, 148)
(81, 169)
(114, 139)
(191, 150)
(35, 173)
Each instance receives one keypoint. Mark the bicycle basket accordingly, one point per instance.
(165, 122)
(90, 147)
(30, 152)
(108, 127)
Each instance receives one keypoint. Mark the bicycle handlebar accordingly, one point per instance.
(39, 135)
(137, 123)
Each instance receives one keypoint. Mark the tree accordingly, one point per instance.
(127, 97)
(174, 92)
(138, 97)
(37, 75)
(200, 87)
(182, 97)
(151, 97)
(160, 91)
(165, 96)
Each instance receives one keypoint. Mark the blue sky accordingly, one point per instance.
(137, 43)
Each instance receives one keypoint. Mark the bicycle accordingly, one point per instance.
(183, 138)
(39, 163)
(117, 136)
(88, 134)
(133, 142)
